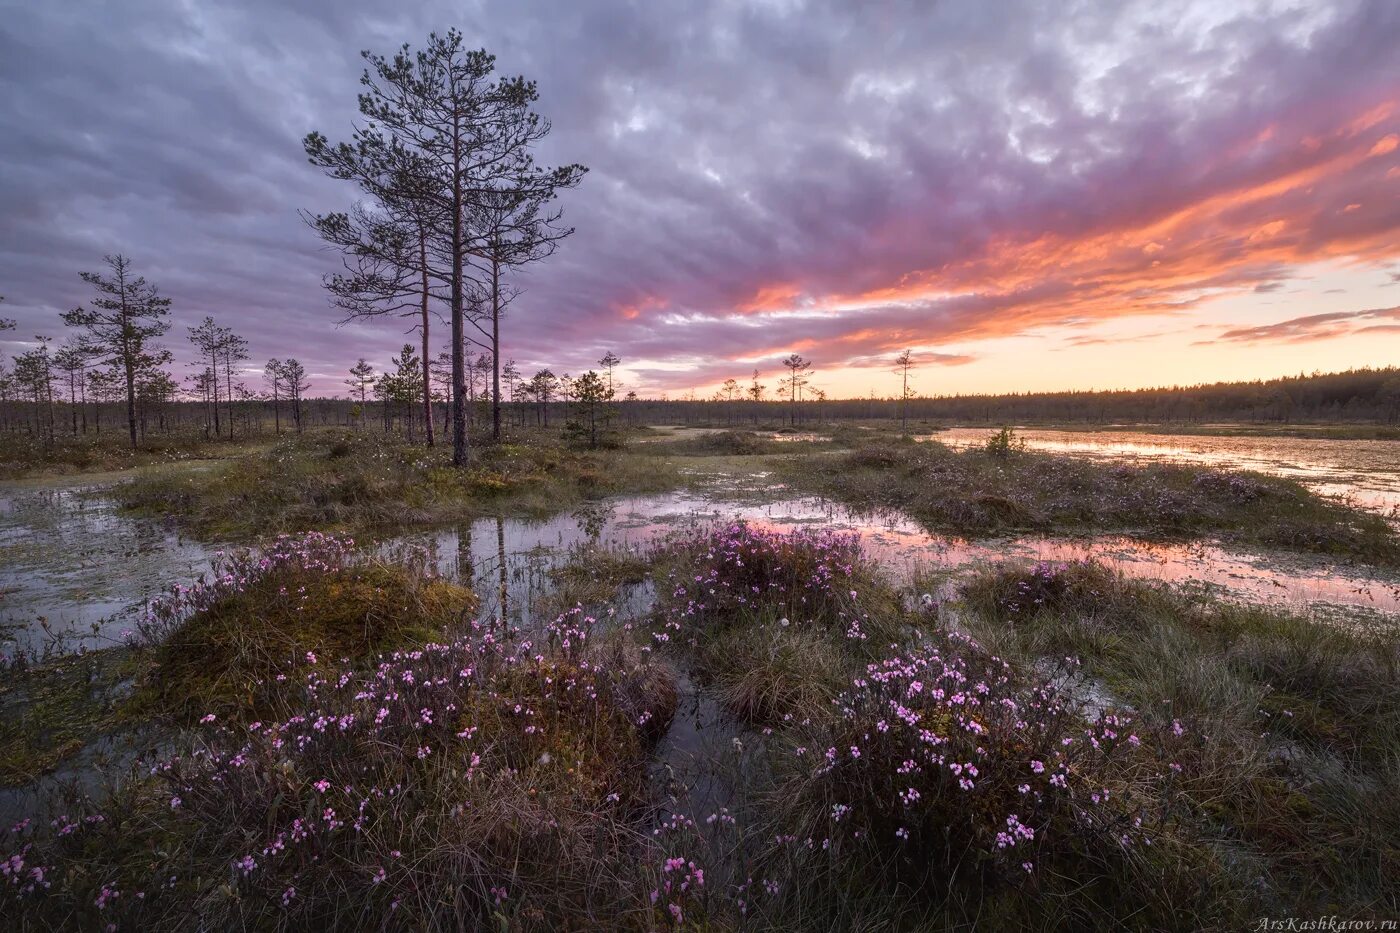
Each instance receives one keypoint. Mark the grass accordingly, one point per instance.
(594, 574)
(379, 757)
(221, 658)
(25, 456)
(972, 492)
(1293, 770)
(731, 443)
(490, 779)
(353, 481)
(775, 624)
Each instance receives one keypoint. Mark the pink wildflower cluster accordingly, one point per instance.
(233, 573)
(364, 758)
(944, 750)
(799, 577)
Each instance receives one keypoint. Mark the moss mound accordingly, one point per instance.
(220, 656)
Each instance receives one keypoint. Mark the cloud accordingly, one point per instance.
(1313, 327)
(839, 179)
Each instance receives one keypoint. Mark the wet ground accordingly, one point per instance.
(75, 570)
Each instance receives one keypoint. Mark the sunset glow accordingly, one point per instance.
(1162, 194)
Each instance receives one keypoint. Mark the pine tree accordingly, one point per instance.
(119, 326)
(591, 398)
(294, 378)
(361, 378)
(449, 145)
(902, 364)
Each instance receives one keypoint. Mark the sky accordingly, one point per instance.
(1027, 195)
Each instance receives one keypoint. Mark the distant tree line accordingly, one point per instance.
(1358, 395)
(113, 374)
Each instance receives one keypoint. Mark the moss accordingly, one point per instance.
(219, 658)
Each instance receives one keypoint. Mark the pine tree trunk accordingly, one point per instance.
(427, 374)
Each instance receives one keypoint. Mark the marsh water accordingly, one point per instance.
(75, 570)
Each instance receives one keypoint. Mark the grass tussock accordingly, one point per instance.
(594, 575)
(447, 810)
(973, 492)
(723, 444)
(774, 622)
(1061, 748)
(492, 779)
(217, 645)
(951, 774)
(345, 480)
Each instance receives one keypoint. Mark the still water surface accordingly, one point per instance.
(70, 558)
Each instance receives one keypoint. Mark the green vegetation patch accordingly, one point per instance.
(222, 656)
(1296, 722)
(475, 784)
(51, 711)
(1006, 489)
(363, 481)
(775, 623)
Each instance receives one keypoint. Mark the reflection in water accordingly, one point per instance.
(70, 558)
(1366, 471)
(503, 594)
(693, 764)
(76, 562)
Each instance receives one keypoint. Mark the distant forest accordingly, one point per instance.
(1359, 396)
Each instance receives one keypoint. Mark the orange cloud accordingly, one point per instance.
(778, 297)
(634, 309)
(1249, 227)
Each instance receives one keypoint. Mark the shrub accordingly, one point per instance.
(1012, 592)
(1003, 443)
(738, 572)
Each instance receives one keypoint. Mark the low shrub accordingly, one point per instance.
(739, 571)
(951, 772)
(1011, 592)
